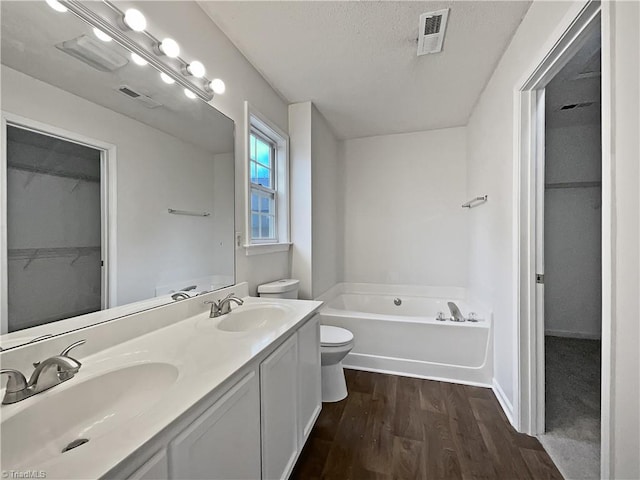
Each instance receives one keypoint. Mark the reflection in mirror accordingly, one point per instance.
(120, 189)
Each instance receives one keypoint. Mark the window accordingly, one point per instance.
(267, 225)
(262, 168)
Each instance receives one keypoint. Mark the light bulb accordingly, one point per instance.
(134, 19)
(101, 35)
(196, 69)
(217, 86)
(57, 6)
(138, 59)
(169, 47)
(167, 79)
(189, 94)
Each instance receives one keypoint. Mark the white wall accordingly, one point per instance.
(315, 209)
(490, 171)
(326, 210)
(199, 37)
(301, 200)
(623, 19)
(152, 248)
(403, 221)
(573, 226)
(223, 199)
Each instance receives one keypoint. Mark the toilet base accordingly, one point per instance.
(334, 385)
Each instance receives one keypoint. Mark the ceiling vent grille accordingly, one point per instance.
(431, 31)
(146, 100)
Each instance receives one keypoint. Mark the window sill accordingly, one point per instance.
(265, 248)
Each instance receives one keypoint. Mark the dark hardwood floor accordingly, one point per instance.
(392, 427)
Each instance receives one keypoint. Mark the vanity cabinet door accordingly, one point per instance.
(155, 468)
(224, 442)
(309, 381)
(279, 398)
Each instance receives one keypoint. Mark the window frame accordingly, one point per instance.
(259, 125)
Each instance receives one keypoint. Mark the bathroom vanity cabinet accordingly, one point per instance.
(255, 428)
(224, 442)
(279, 383)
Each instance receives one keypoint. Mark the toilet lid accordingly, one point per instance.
(334, 336)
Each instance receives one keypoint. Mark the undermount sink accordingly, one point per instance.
(81, 411)
(252, 317)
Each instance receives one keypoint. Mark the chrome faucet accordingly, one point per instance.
(222, 307)
(183, 294)
(180, 296)
(48, 373)
(456, 314)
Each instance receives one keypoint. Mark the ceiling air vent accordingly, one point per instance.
(431, 31)
(146, 100)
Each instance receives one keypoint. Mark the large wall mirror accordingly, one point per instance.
(117, 189)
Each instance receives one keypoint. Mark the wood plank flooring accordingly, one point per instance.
(392, 427)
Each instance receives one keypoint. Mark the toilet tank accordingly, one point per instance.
(287, 288)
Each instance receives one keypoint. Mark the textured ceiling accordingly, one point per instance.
(357, 60)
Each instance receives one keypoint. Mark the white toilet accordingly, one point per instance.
(335, 342)
(287, 288)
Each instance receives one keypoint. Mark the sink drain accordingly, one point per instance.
(76, 443)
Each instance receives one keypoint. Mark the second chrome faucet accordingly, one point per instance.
(222, 307)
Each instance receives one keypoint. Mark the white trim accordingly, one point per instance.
(503, 400)
(108, 206)
(568, 38)
(607, 445)
(109, 189)
(265, 248)
(538, 306)
(253, 117)
(4, 265)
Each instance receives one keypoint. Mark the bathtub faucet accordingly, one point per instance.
(456, 314)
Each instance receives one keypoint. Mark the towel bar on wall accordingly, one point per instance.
(475, 201)
(187, 212)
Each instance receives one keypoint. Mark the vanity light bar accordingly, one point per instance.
(78, 8)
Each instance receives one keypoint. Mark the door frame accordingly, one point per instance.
(528, 204)
(108, 190)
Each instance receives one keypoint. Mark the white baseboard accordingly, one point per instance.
(504, 402)
(569, 334)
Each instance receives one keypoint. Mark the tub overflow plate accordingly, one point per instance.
(397, 302)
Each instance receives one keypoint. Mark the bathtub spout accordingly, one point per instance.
(456, 314)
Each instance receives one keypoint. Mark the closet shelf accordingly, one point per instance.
(550, 186)
(54, 172)
(31, 254)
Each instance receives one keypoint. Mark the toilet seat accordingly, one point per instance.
(334, 336)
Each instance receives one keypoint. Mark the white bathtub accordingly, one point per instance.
(407, 339)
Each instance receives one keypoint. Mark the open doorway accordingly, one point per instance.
(56, 243)
(572, 262)
(572, 41)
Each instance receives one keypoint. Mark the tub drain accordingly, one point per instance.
(76, 443)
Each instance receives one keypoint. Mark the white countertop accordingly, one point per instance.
(205, 358)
